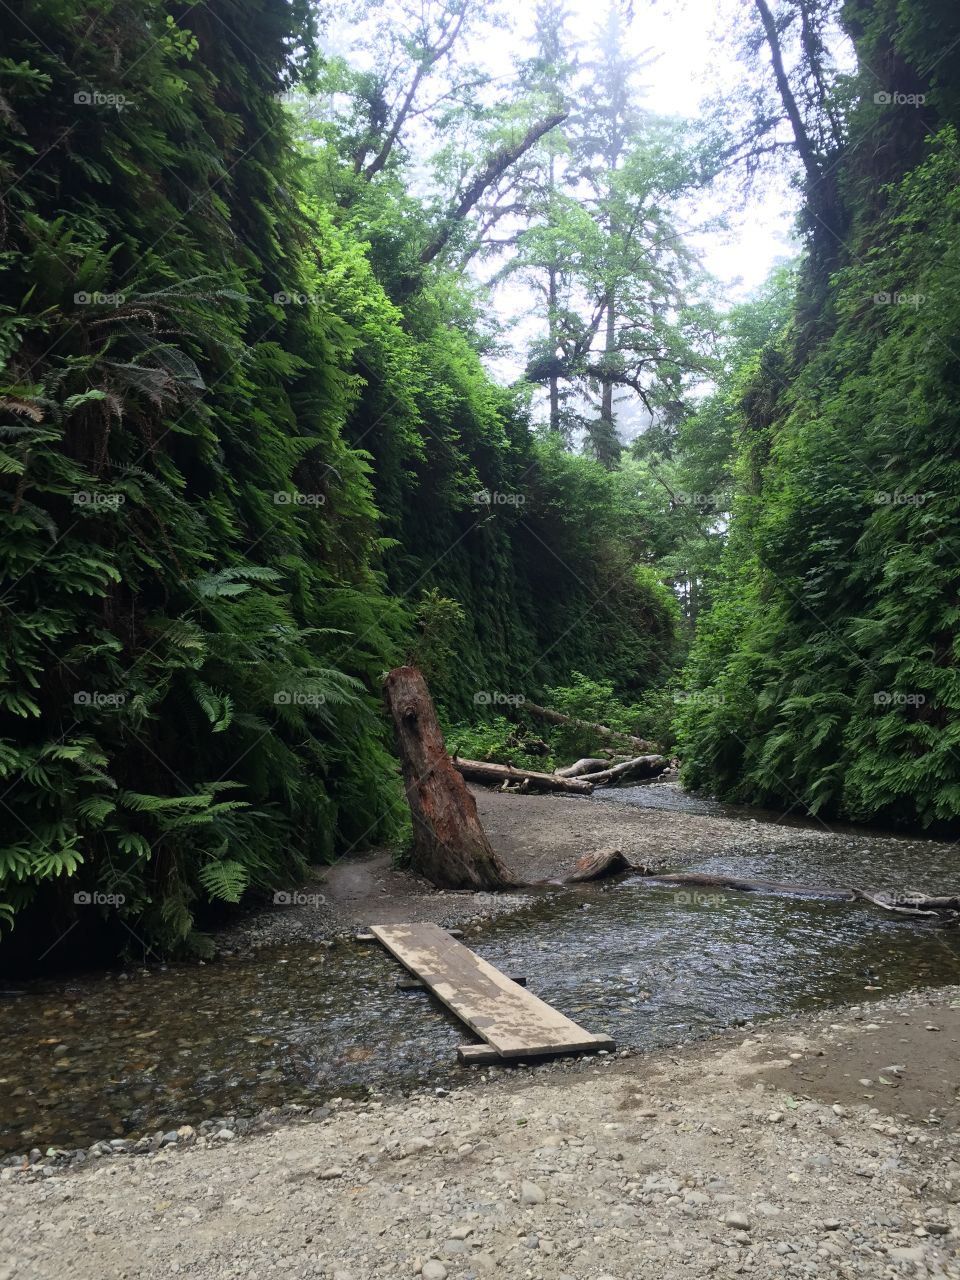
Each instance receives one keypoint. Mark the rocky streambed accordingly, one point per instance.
(295, 1013)
(824, 1145)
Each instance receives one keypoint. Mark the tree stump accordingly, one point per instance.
(450, 846)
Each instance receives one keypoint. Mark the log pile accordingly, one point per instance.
(528, 779)
(575, 780)
(648, 766)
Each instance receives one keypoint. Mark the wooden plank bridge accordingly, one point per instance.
(513, 1022)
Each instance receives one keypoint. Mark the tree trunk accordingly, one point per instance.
(599, 730)
(490, 771)
(552, 316)
(804, 145)
(609, 346)
(450, 846)
(554, 380)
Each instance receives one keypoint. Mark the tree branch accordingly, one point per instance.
(805, 148)
(495, 167)
(430, 60)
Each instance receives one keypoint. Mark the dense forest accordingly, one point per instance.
(254, 452)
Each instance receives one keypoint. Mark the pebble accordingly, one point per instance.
(739, 1221)
(434, 1270)
(530, 1193)
(417, 1144)
(916, 1254)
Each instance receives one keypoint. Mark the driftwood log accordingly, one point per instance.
(945, 908)
(589, 764)
(639, 767)
(484, 771)
(594, 866)
(598, 730)
(450, 846)
(563, 779)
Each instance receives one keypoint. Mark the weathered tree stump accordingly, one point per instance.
(450, 846)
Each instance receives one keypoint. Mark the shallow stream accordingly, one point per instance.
(112, 1055)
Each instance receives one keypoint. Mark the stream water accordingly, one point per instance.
(112, 1055)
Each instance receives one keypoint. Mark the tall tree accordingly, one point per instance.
(550, 72)
(607, 252)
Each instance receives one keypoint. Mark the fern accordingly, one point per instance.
(224, 881)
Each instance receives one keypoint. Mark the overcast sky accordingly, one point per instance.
(683, 36)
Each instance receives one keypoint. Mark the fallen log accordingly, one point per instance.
(897, 908)
(639, 767)
(701, 880)
(487, 771)
(943, 908)
(594, 866)
(589, 764)
(599, 730)
(450, 847)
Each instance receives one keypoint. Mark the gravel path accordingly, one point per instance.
(796, 1150)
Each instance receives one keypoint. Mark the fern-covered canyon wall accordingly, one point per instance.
(245, 427)
(827, 670)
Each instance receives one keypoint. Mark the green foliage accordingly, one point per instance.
(828, 664)
(245, 429)
(683, 468)
(188, 648)
(502, 741)
(591, 700)
(439, 622)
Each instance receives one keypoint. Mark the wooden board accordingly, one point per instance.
(414, 984)
(512, 1021)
